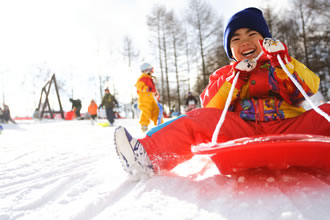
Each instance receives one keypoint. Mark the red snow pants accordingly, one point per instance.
(169, 144)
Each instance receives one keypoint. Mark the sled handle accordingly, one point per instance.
(302, 91)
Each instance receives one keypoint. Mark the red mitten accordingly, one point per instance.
(272, 48)
(245, 67)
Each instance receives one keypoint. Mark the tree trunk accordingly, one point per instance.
(166, 72)
(177, 73)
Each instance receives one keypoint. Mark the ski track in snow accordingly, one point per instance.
(70, 170)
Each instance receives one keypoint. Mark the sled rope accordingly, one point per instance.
(223, 115)
(228, 101)
(302, 91)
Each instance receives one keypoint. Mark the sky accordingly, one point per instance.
(79, 40)
(72, 171)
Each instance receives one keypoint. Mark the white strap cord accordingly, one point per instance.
(230, 95)
(227, 104)
(223, 115)
(317, 109)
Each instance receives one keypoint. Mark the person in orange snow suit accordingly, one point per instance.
(92, 110)
(147, 97)
(265, 101)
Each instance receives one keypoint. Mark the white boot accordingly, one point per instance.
(132, 154)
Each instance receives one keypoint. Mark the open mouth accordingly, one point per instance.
(248, 53)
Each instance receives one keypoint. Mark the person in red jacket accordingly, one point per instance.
(264, 101)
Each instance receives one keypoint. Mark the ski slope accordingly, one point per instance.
(70, 170)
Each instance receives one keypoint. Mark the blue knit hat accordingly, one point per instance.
(251, 18)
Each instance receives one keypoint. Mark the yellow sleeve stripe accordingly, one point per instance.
(310, 78)
(305, 74)
(219, 99)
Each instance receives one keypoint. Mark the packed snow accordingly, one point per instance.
(55, 169)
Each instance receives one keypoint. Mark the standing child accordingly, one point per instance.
(148, 95)
(265, 101)
(92, 110)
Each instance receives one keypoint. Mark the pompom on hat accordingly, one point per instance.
(251, 18)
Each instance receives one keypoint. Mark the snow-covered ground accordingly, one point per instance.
(70, 170)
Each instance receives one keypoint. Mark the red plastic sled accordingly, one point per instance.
(274, 152)
(69, 115)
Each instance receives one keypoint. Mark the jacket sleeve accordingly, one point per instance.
(220, 82)
(308, 80)
(103, 102)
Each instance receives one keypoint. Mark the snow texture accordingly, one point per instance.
(70, 170)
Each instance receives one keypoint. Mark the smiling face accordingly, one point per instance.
(244, 44)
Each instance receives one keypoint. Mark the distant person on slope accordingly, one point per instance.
(76, 107)
(6, 114)
(109, 101)
(92, 110)
(191, 102)
(1, 115)
(148, 97)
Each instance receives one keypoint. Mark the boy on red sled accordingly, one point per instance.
(265, 101)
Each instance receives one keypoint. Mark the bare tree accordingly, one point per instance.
(187, 53)
(129, 51)
(204, 21)
(155, 22)
(313, 21)
(176, 34)
(306, 13)
(166, 60)
(36, 78)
